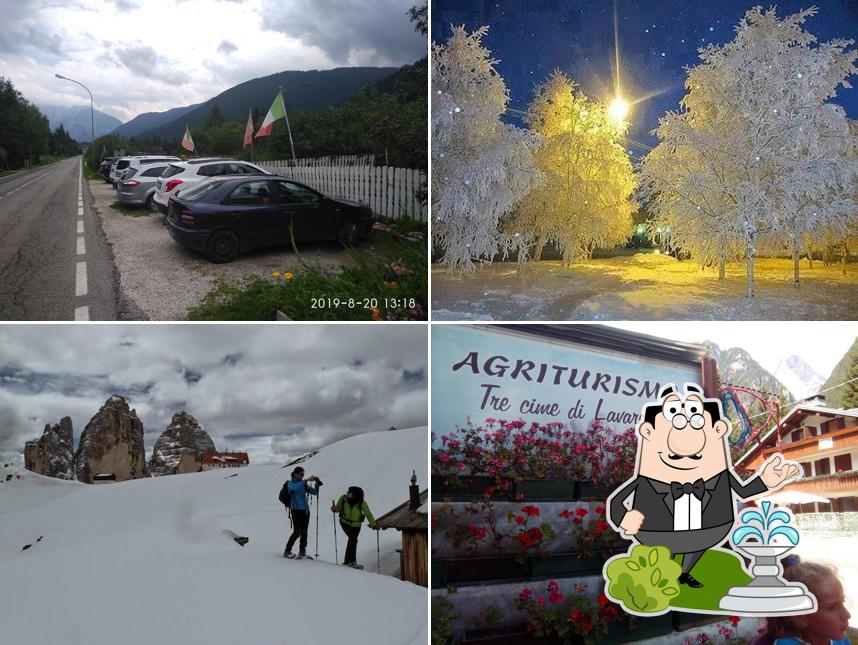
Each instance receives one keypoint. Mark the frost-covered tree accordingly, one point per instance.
(481, 167)
(751, 153)
(586, 200)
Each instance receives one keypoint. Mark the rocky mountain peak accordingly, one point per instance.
(112, 442)
(53, 453)
(179, 448)
(801, 379)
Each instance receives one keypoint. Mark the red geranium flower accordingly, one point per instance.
(734, 620)
(530, 510)
(580, 512)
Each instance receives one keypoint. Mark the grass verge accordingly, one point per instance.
(131, 211)
(393, 287)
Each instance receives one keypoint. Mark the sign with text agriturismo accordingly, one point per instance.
(480, 373)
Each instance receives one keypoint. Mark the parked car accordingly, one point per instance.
(120, 165)
(224, 216)
(105, 166)
(185, 174)
(137, 188)
(137, 162)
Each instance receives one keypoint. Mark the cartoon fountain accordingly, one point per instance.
(767, 593)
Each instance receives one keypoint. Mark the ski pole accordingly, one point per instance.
(336, 555)
(317, 525)
(378, 549)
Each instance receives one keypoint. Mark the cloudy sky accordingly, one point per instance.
(274, 391)
(148, 55)
(821, 343)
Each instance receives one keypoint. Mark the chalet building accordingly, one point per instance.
(211, 460)
(412, 518)
(824, 441)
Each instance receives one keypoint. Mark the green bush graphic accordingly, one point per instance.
(645, 581)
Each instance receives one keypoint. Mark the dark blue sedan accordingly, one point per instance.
(224, 216)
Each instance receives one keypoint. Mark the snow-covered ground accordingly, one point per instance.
(146, 562)
(645, 287)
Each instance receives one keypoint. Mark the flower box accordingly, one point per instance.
(683, 620)
(588, 491)
(482, 569)
(560, 565)
(469, 487)
(546, 489)
(512, 635)
(620, 632)
(438, 570)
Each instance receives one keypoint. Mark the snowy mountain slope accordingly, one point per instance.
(798, 377)
(146, 561)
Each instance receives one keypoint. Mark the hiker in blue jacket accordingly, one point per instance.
(300, 509)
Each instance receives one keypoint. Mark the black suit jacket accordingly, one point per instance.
(653, 499)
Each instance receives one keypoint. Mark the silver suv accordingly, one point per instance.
(140, 162)
(137, 186)
(181, 174)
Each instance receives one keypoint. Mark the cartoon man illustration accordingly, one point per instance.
(682, 492)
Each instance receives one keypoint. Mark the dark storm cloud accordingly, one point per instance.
(232, 359)
(275, 393)
(143, 61)
(226, 47)
(24, 31)
(412, 377)
(125, 6)
(378, 31)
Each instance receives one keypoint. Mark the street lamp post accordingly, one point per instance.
(91, 108)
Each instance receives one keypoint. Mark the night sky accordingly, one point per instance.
(657, 40)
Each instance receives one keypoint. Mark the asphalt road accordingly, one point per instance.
(54, 261)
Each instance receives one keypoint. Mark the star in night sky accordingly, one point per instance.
(657, 40)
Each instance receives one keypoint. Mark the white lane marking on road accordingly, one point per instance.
(80, 211)
(81, 246)
(80, 226)
(28, 183)
(81, 313)
(80, 288)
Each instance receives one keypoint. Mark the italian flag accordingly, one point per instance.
(277, 111)
(248, 131)
(187, 141)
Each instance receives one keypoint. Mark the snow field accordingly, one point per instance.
(146, 561)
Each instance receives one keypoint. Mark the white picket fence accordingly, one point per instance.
(390, 192)
(335, 160)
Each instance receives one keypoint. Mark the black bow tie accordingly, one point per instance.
(678, 490)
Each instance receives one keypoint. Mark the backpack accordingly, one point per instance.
(285, 497)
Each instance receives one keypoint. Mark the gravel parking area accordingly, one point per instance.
(159, 280)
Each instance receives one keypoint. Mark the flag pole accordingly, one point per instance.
(288, 129)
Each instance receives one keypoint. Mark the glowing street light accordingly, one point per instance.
(618, 110)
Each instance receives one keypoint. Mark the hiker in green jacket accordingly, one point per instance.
(352, 509)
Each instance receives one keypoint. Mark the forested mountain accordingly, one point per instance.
(845, 396)
(312, 89)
